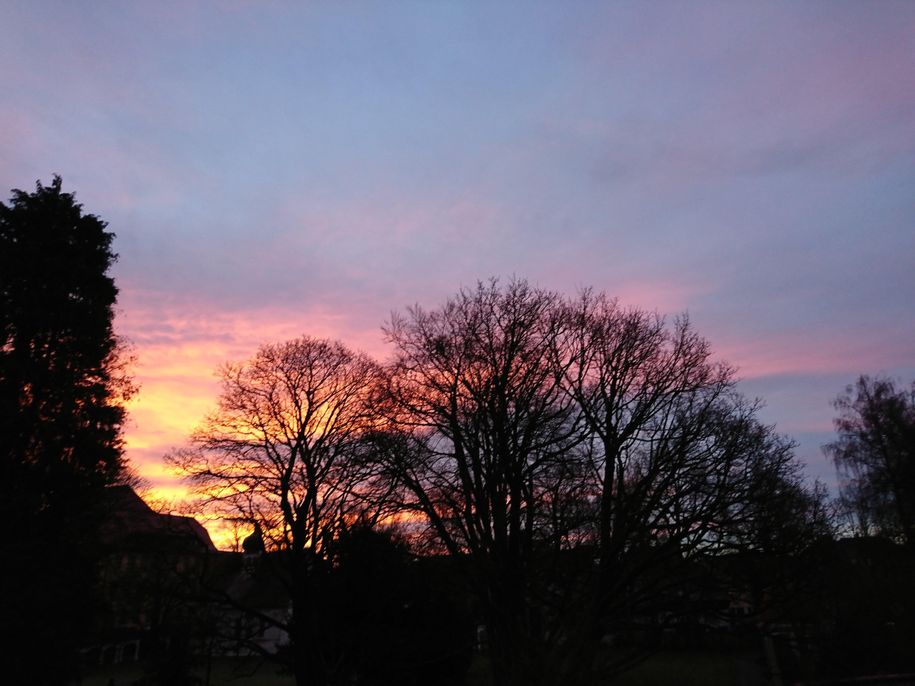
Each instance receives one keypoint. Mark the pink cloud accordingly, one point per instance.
(798, 352)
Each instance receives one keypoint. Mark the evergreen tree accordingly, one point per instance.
(62, 385)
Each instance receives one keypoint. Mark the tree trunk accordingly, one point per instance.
(515, 647)
(308, 664)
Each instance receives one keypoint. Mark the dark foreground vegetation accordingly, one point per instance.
(534, 489)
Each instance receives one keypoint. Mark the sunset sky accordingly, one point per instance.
(276, 169)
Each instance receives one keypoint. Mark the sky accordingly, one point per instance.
(276, 169)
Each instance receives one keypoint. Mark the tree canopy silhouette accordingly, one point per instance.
(874, 454)
(285, 450)
(586, 467)
(581, 461)
(62, 385)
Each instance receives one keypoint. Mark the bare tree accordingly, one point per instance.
(682, 468)
(580, 460)
(874, 454)
(285, 449)
(585, 466)
(474, 385)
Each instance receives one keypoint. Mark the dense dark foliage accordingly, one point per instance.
(61, 383)
(392, 618)
(61, 392)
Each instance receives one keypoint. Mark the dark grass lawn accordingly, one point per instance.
(692, 668)
(670, 668)
(222, 672)
(695, 668)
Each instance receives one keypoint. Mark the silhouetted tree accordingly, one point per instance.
(285, 449)
(874, 455)
(62, 385)
(474, 385)
(681, 468)
(538, 436)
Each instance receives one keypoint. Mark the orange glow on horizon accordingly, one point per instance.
(178, 348)
(180, 344)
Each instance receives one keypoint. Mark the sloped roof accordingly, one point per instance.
(131, 523)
